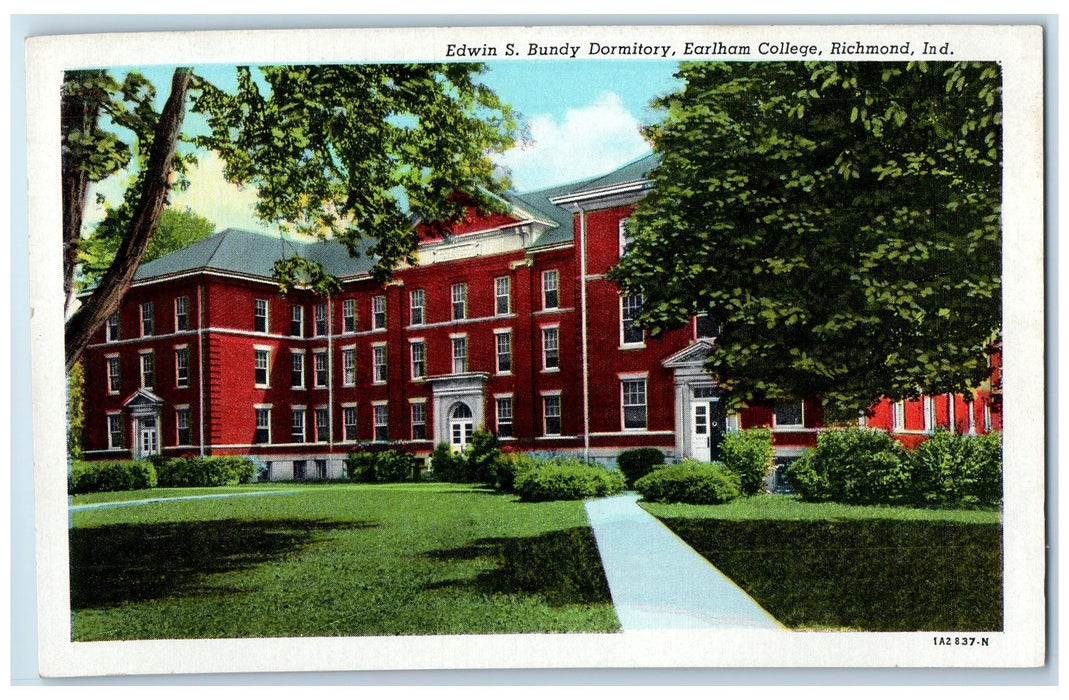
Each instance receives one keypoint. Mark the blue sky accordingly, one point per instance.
(584, 119)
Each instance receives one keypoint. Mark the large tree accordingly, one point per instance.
(840, 220)
(351, 152)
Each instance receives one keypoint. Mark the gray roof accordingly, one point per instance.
(249, 253)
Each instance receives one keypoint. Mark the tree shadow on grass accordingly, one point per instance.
(562, 567)
(117, 564)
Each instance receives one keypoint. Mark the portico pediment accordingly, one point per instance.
(142, 398)
(691, 356)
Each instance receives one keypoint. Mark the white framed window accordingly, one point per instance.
(551, 414)
(460, 354)
(111, 328)
(630, 308)
(148, 369)
(322, 417)
(503, 346)
(297, 369)
(987, 417)
(550, 289)
(297, 426)
(418, 352)
(321, 319)
(348, 366)
(381, 421)
(633, 401)
(789, 415)
(502, 296)
(114, 382)
(503, 415)
(319, 367)
(378, 363)
(181, 367)
(550, 348)
(181, 313)
(260, 323)
(262, 435)
(297, 321)
(348, 316)
(263, 367)
(378, 312)
(348, 419)
(898, 416)
(115, 431)
(417, 300)
(182, 433)
(928, 403)
(624, 237)
(459, 293)
(705, 326)
(419, 420)
(732, 423)
(146, 319)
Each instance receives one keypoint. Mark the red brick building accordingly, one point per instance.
(497, 326)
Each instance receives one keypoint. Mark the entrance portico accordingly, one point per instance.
(144, 407)
(459, 407)
(699, 413)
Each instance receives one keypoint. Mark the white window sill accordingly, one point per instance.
(550, 370)
(631, 346)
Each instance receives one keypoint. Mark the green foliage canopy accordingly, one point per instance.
(840, 220)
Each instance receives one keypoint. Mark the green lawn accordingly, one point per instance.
(829, 566)
(334, 560)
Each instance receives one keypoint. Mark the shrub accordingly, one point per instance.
(508, 467)
(480, 456)
(386, 466)
(567, 480)
(749, 455)
(96, 477)
(635, 464)
(446, 465)
(184, 472)
(859, 466)
(958, 470)
(690, 481)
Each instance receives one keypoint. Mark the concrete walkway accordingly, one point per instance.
(658, 582)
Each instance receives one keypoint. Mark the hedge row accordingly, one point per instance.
(124, 475)
(474, 466)
(385, 466)
(127, 475)
(566, 479)
(690, 481)
(868, 467)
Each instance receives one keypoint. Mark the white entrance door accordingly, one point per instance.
(461, 426)
(701, 443)
(148, 439)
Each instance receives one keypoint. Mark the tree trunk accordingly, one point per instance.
(155, 187)
(80, 112)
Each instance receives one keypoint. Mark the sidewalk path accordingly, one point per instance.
(658, 582)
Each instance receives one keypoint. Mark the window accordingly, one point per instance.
(262, 364)
(115, 437)
(551, 415)
(297, 369)
(321, 319)
(503, 340)
(460, 354)
(348, 316)
(181, 367)
(113, 375)
(382, 418)
(419, 421)
(634, 403)
(348, 366)
(321, 468)
(260, 318)
(111, 328)
(419, 359)
(146, 319)
(300, 469)
(460, 301)
(297, 321)
(348, 419)
(502, 296)
(181, 420)
(898, 416)
(705, 326)
(378, 364)
(319, 361)
(297, 427)
(550, 295)
(929, 414)
(417, 299)
(378, 312)
(181, 313)
(630, 308)
(624, 238)
(789, 415)
(550, 351)
(147, 370)
(504, 416)
(322, 424)
(263, 426)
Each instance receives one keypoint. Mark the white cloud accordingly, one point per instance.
(590, 140)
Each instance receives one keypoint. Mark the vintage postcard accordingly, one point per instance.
(538, 347)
